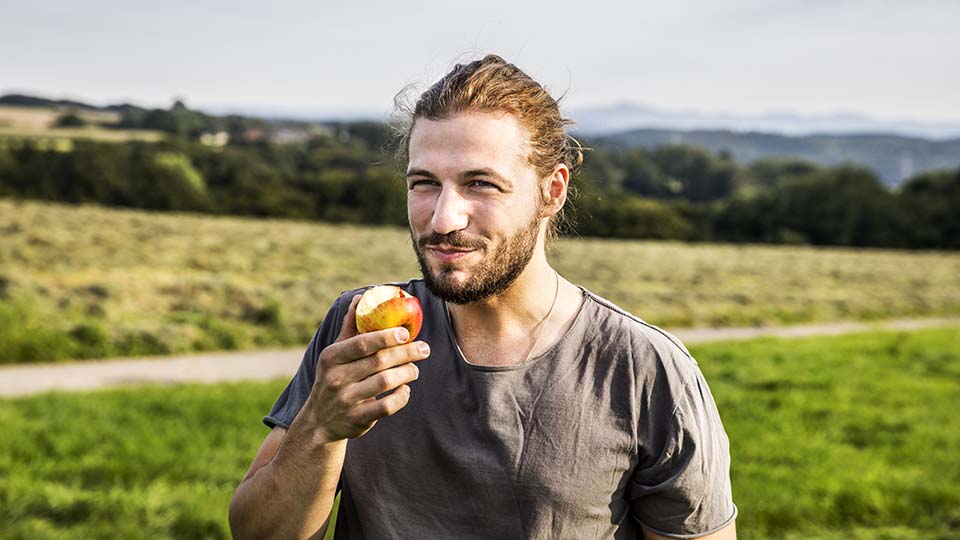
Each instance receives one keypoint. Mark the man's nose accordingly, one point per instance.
(450, 212)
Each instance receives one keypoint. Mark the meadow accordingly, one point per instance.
(90, 282)
(39, 124)
(850, 437)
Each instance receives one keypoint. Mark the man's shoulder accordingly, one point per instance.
(661, 364)
(615, 323)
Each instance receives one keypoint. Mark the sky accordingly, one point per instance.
(887, 59)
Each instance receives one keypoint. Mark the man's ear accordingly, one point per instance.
(554, 190)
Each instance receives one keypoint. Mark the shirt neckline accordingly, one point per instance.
(462, 358)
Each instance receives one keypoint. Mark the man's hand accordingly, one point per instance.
(355, 369)
(276, 499)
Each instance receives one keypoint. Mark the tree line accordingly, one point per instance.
(345, 173)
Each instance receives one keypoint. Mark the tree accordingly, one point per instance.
(694, 175)
(931, 202)
(70, 119)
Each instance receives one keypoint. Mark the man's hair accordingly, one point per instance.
(494, 85)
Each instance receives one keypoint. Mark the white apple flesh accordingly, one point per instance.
(388, 306)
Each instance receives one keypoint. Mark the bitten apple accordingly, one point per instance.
(387, 306)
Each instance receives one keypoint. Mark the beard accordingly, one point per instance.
(493, 275)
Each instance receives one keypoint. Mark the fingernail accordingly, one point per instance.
(424, 348)
(402, 335)
(416, 371)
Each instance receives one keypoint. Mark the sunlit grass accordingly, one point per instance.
(89, 282)
(841, 437)
(848, 437)
(677, 284)
(38, 124)
(92, 133)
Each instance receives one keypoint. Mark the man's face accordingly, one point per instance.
(473, 204)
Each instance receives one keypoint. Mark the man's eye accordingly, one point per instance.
(414, 184)
(483, 184)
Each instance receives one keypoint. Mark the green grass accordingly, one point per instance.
(145, 463)
(82, 282)
(851, 437)
(841, 437)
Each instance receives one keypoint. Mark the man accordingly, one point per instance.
(529, 407)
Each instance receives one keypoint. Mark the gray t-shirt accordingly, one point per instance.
(611, 427)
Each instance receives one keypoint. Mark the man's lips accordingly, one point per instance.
(449, 253)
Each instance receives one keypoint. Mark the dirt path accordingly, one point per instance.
(265, 365)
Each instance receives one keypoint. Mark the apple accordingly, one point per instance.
(387, 306)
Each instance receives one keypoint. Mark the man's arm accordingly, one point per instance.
(289, 490)
(681, 486)
(727, 533)
(290, 487)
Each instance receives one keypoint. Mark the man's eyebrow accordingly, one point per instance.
(420, 172)
(487, 172)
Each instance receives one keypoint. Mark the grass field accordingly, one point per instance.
(38, 123)
(850, 437)
(79, 282)
(39, 118)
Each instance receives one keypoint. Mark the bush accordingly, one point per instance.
(70, 120)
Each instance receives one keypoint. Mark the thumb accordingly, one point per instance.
(349, 327)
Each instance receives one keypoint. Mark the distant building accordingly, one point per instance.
(290, 135)
(215, 139)
(252, 135)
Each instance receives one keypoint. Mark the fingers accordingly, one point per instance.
(386, 359)
(340, 376)
(381, 382)
(349, 327)
(375, 409)
(357, 368)
(359, 346)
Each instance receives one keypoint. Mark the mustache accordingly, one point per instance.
(455, 239)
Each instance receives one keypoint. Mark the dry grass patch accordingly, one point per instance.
(89, 281)
(40, 123)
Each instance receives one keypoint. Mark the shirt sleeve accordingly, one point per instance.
(298, 390)
(681, 485)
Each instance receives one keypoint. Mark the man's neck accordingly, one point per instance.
(517, 323)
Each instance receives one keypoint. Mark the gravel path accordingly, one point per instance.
(272, 364)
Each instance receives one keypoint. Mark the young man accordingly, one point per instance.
(528, 407)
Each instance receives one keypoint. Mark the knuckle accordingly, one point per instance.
(381, 359)
(342, 400)
(388, 338)
(356, 421)
(333, 380)
(399, 400)
(366, 345)
(388, 380)
(384, 408)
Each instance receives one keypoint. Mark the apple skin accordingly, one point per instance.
(401, 310)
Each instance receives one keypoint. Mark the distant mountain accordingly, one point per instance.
(23, 100)
(913, 147)
(628, 116)
(894, 158)
(299, 114)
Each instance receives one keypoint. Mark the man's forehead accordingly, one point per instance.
(468, 140)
